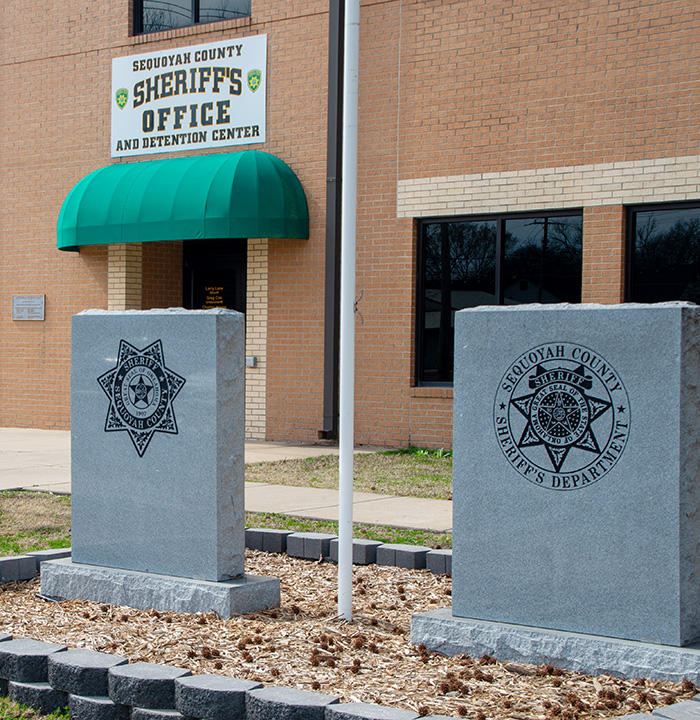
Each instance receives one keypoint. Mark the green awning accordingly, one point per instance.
(248, 194)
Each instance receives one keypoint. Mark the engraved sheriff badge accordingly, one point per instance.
(141, 390)
(561, 416)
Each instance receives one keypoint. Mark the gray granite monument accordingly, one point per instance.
(157, 437)
(576, 488)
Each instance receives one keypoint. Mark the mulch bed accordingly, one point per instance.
(303, 644)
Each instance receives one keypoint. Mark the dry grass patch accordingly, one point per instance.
(408, 474)
(33, 521)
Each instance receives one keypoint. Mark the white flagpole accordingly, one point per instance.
(347, 306)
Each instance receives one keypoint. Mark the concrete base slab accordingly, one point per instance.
(442, 632)
(65, 580)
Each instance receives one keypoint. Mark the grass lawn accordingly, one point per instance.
(37, 521)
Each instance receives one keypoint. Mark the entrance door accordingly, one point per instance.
(214, 274)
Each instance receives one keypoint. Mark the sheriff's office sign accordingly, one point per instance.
(203, 96)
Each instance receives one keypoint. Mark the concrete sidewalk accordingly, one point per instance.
(40, 460)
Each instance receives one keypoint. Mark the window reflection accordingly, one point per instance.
(666, 255)
(217, 10)
(542, 261)
(460, 268)
(161, 15)
(459, 263)
(158, 15)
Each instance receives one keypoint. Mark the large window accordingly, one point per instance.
(491, 260)
(663, 253)
(156, 15)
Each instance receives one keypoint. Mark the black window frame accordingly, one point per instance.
(500, 219)
(194, 13)
(630, 236)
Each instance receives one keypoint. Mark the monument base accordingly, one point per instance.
(65, 580)
(442, 632)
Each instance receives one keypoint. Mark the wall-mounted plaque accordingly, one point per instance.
(28, 307)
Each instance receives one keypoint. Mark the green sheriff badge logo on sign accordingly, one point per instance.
(254, 79)
(562, 416)
(122, 98)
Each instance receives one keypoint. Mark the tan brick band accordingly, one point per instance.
(618, 183)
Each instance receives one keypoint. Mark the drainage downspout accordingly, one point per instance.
(331, 335)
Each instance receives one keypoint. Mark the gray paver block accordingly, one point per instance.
(364, 552)
(24, 660)
(367, 711)
(267, 539)
(82, 672)
(213, 697)
(687, 710)
(138, 713)
(17, 568)
(280, 703)
(439, 562)
(310, 546)
(39, 696)
(145, 685)
(411, 557)
(96, 708)
(41, 555)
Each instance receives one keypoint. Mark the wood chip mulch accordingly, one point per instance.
(303, 644)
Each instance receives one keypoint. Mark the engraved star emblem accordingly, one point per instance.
(560, 413)
(141, 391)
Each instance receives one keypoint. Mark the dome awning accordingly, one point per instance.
(249, 194)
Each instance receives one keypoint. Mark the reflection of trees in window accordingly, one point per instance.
(161, 15)
(465, 252)
(541, 262)
(216, 10)
(666, 263)
(158, 15)
(459, 261)
(543, 259)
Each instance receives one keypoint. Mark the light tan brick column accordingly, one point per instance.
(124, 279)
(603, 268)
(256, 338)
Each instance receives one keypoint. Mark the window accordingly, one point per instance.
(663, 253)
(156, 15)
(490, 260)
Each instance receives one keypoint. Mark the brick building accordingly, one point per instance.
(508, 152)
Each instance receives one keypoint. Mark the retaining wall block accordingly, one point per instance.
(687, 710)
(367, 711)
(411, 557)
(281, 703)
(213, 697)
(267, 539)
(17, 568)
(82, 672)
(138, 713)
(24, 660)
(39, 696)
(364, 552)
(41, 555)
(439, 562)
(144, 685)
(96, 708)
(310, 546)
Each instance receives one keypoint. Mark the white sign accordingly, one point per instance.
(202, 96)
(28, 307)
